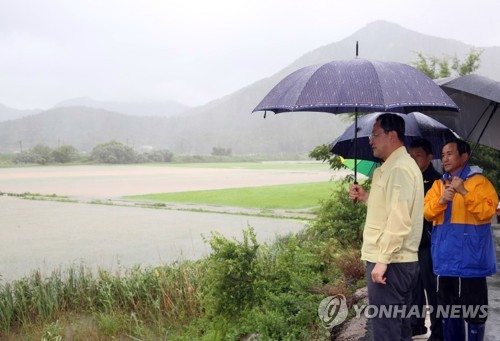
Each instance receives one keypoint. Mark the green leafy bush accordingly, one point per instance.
(64, 154)
(113, 152)
(272, 291)
(340, 219)
(40, 154)
(230, 283)
(160, 155)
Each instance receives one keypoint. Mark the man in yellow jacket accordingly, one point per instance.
(461, 206)
(393, 229)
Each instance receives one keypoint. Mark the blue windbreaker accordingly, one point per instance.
(462, 242)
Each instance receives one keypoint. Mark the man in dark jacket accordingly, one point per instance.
(421, 152)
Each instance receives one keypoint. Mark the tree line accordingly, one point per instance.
(112, 152)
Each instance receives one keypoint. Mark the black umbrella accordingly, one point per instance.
(356, 85)
(478, 98)
(417, 125)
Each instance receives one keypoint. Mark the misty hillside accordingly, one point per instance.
(380, 40)
(85, 127)
(81, 127)
(227, 122)
(149, 108)
(7, 113)
(383, 40)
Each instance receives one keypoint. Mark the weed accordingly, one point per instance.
(52, 332)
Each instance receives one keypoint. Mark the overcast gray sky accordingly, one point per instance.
(193, 51)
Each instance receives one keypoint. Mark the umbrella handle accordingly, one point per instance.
(355, 200)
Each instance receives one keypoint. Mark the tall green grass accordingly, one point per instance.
(164, 297)
(294, 196)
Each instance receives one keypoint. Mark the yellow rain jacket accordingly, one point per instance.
(393, 227)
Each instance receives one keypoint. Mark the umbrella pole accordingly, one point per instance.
(355, 150)
(356, 135)
(356, 146)
(495, 107)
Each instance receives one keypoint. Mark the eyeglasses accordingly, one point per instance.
(372, 136)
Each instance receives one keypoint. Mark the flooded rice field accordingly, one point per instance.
(48, 235)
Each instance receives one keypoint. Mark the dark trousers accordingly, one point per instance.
(418, 300)
(426, 281)
(471, 293)
(394, 296)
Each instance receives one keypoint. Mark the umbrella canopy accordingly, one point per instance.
(356, 85)
(364, 167)
(417, 125)
(478, 98)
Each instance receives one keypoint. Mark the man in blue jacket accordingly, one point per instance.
(461, 206)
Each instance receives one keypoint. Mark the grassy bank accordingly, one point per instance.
(242, 289)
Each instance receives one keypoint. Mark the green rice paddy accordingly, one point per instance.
(293, 196)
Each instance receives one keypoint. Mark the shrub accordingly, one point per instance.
(65, 154)
(349, 262)
(340, 219)
(113, 152)
(161, 155)
(262, 291)
(232, 274)
(285, 316)
(291, 264)
(221, 151)
(40, 154)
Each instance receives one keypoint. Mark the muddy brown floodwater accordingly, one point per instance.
(49, 235)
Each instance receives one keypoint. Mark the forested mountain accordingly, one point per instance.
(85, 127)
(227, 122)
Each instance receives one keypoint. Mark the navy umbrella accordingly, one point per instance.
(417, 125)
(478, 98)
(356, 85)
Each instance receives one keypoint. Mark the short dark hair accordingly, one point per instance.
(390, 122)
(422, 143)
(462, 146)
